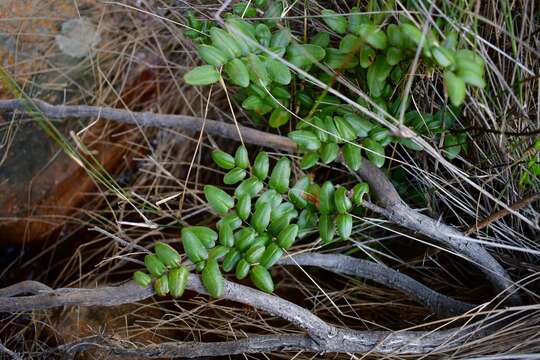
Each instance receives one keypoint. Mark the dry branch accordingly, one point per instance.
(394, 208)
(408, 342)
(322, 337)
(381, 274)
(341, 264)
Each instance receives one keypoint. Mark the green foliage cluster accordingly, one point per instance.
(267, 213)
(371, 49)
(263, 218)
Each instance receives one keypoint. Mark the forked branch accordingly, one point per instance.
(393, 207)
(321, 336)
(45, 297)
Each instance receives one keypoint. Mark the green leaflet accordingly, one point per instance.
(218, 252)
(321, 39)
(262, 278)
(218, 199)
(412, 32)
(205, 235)
(237, 72)
(167, 254)
(326, 228)
(452, 146)
(374, 152)
(279, 117)
(154, 265)
(283, 209)
(241, 157)
(177, 280)
(305, 139)
(329, 152)
(199, 267)
(297, 193)
(193, 247)
(225, 42)
(254, 253)
(257, 70)
(336, 22)
(231, 259)
(326, 198)
(344, 224)
(226, 236)
(261, 165)
(359, 191)
(279, 179)
(202, 75)
(251, 186)
(287, 236)
(212, 55)
(222, 159)
(443, 56)
(245, 238)
(261, 218)
(352, 155)
(377, 74)
(263, 34)
(281, 38)
(309, 160)
(243, 206)
(212, 279)
(367, 56)
(337, 59)
(341, 200)
(242, 269)
(345, 131)
(161, 286)
(278, 72)
(142, 278)
(471, 78)
(279, 224)
(306, 222)
(232, 220)
(394, 56)
(455, 87)
(271, 255)
(234, 176)
(373, 35)
(270, 196)
(349, 43)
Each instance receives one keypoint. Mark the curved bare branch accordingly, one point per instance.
(379, 273)
(322, 336)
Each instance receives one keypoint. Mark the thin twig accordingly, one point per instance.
(502, 213)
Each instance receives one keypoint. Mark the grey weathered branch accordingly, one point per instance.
(406, 342)
(24, 287)
(393, 207)
(381, 274)
(321, 335)
(148, 119)
(341, 264)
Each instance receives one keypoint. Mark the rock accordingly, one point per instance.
(78, 37)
